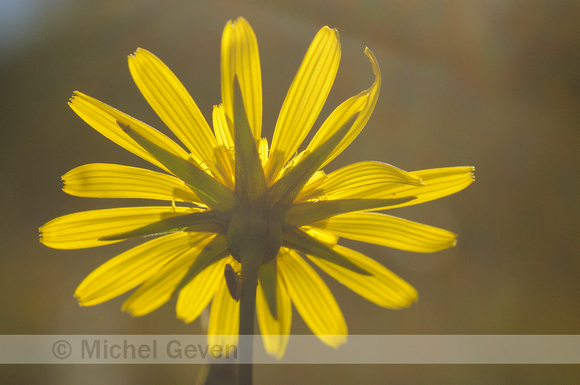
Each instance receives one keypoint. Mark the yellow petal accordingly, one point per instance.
(130, 269)
(224, 170)
(386, 230)
(363, 103)
(367, 180)
(171, 101)
(220, 127)
(438, 183)
(240, 58)
(382, 287)
(224, 314)
(275, 332)
(263, 151)
(158, 289)
(103, 118)
(374, 180)
(100, 180)
(305, 99)
(312, 298)
(197, 294)
(84, 229)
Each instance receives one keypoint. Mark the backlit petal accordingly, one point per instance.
(197, 294)
(214, 251)
(171, 101)
(381, 181)
(220, 127)
(100, 180)
(224, 315)
(84, 229)
(312, 298)
(130, 269)
(158, 289)
(263, 151)
(383, 287)
(386, 230)
(240, 58)
(224, 170)
(275, 332)
(103, 118)
(366, 180)
(364, 103)
(438, 183)
(305, 99)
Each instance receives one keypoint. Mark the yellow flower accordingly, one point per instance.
(232, 195)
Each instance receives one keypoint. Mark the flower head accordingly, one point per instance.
(233, 200)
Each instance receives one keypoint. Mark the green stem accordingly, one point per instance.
(250, 272)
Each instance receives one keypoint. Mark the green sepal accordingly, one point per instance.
(249, 173)
(301, 214)
(268, 279)
(213, 251)
(287, 188)
(210, 191)
(202, 221)
(302, 242)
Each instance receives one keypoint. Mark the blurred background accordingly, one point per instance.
(489, 83)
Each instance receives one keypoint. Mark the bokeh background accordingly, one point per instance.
(489, 83)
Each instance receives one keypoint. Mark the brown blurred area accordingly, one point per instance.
(493, 84)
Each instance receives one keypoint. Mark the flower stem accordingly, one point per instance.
(250, 272)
